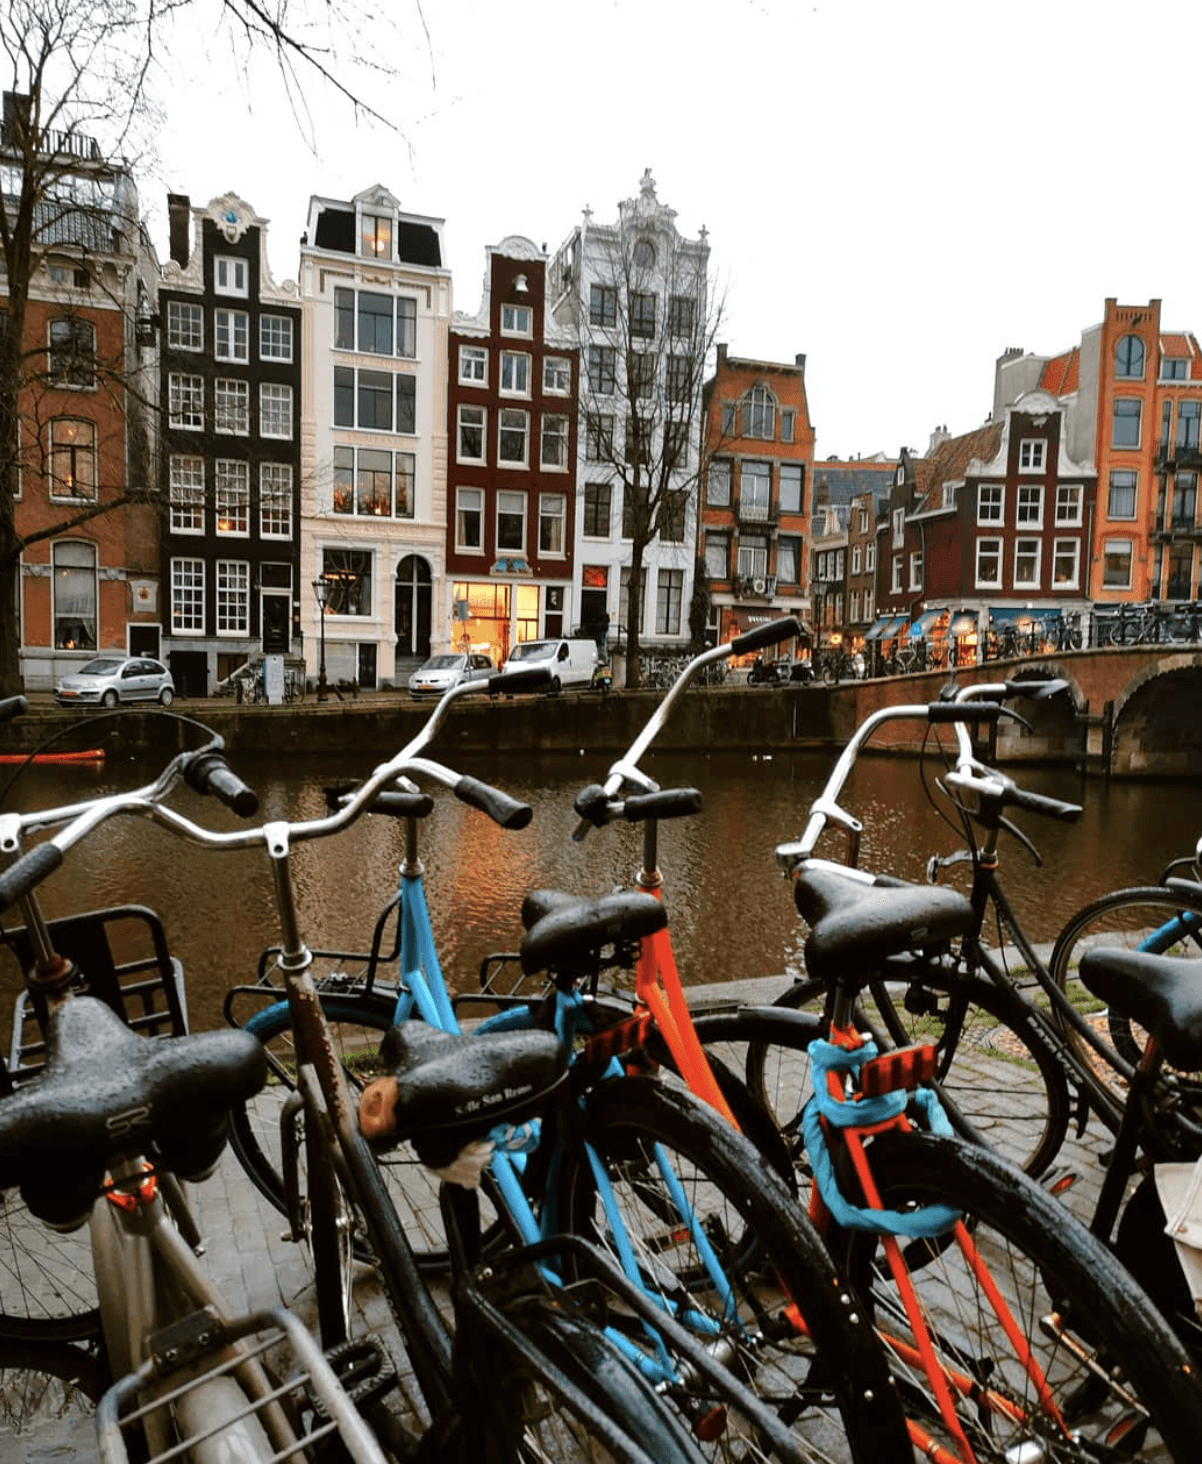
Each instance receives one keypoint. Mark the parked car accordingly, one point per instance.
(440, 673)
(107, 681)
(569, 662)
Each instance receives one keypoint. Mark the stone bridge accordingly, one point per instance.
(1129, 710)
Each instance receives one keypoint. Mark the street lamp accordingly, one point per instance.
(321, 592)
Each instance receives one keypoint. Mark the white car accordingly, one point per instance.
(107, 681)
(442, 672)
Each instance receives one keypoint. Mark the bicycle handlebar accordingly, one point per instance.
(209, 772)
(765, 635)
(20, 878)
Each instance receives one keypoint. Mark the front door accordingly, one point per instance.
(277, 613)
(413, 607)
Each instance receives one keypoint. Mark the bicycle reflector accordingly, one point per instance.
(905, 1068)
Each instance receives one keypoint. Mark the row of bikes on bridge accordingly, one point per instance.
(856, 1223)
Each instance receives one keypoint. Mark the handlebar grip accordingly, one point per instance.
(537, 678)
(500, 807)
(1043, 805)
(766, 635)
(210, 773)
(592, 804)
(965, 711)
(13, 706)
(669, 803)
(30, 870)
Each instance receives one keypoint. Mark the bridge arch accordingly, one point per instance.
(1155, 724)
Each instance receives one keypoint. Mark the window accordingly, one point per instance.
(1185, 500)
(916, 569)
(991, 503)
(557, 375)
(344, 396)
(1126, 423)
(1026, 563)
(1188, 416)
(406, 404)
(788, 560)
(275, 338)
(515, 320)
(552, 517)
(792, 482)
(229, 275)
(231, 335)
(717, 556)
(375, 323)
(642, 374)
(231, 496)
(473, 423)
(754, 488)
(1069, 499)
(753, 557)
(1029, 511)
(1173, 368)
(624, 617)
(679, 378)
(788, 425)
(896, 574)
(1066, 563)
(513, 433)
(669, 594)
(855, 559)
(373, 482)
(469, 519)
(187, 494)
(1032, 454)
(638, 441)
(603, 305)
(681, 313)
(1120, 503)
(673, 517)
(233, 597)
(989, 563)
(728, 418)
(717, 484)
(375, 236)
(231, 406)
(602, 369)
(374, 400)
(72, 458)
(473, 365)
(553, 452)
(405, 497)
(187, 596)
(185, 326)
(869, 558)
(349, 574)
(275, 500)
(344, 320)
(406, 327)
(72, 353)
(642, 315)
(275, 410)
(599, 437)
(1116, 564)
(74, 591)
(759, 413)
(515, 373)
(1129, 358)
(676, 444)
(511, 522)
(598, 509)
(899, 527)
(185, 401)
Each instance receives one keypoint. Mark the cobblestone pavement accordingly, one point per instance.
(254, 1267)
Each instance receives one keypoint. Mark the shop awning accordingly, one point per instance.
(963, 622)
(877, 631)
(1008, 614)
(923, 625)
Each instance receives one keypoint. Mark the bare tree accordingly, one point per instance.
(80, 89)
(647, 317)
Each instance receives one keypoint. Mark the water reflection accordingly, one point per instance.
(731, 912)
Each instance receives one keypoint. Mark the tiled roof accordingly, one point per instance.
(949, 461)
(1061, 374)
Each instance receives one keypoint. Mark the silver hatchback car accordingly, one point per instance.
(442, 672)
(107, 681)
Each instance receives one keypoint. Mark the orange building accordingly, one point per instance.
(755, 491)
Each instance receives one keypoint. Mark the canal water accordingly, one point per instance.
(731, 912)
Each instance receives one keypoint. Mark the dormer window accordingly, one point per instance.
(515, 320)
(375, 236)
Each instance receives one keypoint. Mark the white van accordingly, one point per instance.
(570, 662)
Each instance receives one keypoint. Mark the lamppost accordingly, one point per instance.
(321, 592)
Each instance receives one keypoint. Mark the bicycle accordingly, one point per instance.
(699, 1162)
(577, 1386)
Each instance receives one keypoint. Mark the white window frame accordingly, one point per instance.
(1029, 549)
(509, 501)
(187, 596)
(517, 320)
(275, 408)
(1123, 546)
(185, 326)
(895, 583)
(275, 500)
(987, 546)
(515, 374)
(899, 528)
(230, 276)
(991, 503)
(1070, 500)
(469, 410)
(231, 589)
(554, 435)
(231, 402)
(231, 335)
(553, 509)
(855, 562)
(469, 500)
(916, 569)
(504, 426)
(186, 401)
(231, 497)
(276, 335)
(869, 557)
(473, 365)
(1032, 454)
(557, 375)
(1066, 550)
(186, 493)
(1028, 507)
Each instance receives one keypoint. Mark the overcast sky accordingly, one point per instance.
(900, 191)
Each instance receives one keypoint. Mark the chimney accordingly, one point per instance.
(179, 221)
(800, 362)
(721, 353)
(938, 438)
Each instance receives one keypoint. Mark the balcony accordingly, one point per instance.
(762, 514)
(755, 587)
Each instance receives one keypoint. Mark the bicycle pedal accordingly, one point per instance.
(1059, 1181)
(363, 1369)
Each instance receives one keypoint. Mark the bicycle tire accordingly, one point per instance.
(981, 1032)
(50, 1385)
(330, 1227)
(47, 1286)
(1049, 1267)
(1148, 917)
(826, 1380)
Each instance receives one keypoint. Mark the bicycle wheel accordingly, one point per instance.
(357, 1025)
(1119, 1384)
(1001, 1081)
(1148, 918)
(47, 1289)
(685, 1182)
(330, 1224)
(50, 1388)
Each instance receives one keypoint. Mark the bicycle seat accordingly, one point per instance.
(105, 1091)
(453, 1088)
(855, 926)
(565, 930)
(1162, 993)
